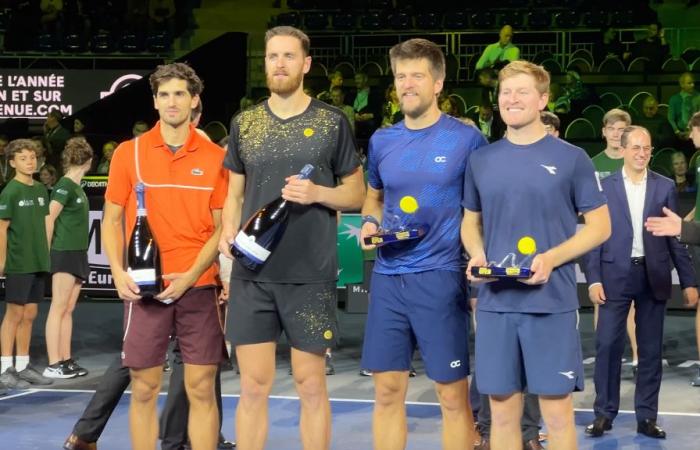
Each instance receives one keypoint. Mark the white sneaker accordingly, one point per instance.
(59, 370)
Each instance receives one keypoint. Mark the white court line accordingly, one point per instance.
(350, 400)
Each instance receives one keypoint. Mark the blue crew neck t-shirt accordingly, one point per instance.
(429, 165)
(534, 190)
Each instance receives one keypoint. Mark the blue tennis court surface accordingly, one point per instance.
(41, 420)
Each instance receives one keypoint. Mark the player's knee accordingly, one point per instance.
(452, 399)
(200, 389)
(143, 390)
(13, 315)
(389, 392)
(255, 389)
(312, 389)
(29, 313)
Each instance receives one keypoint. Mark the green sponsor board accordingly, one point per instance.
(350, 254)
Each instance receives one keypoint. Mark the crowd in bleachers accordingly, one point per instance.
(95, 26)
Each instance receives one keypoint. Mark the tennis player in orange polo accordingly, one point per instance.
(185, 186)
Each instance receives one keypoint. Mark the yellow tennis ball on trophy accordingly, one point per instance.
(527, 245)
(408, 204)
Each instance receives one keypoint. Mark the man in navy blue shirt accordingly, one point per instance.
(531, 185)
(418, 288)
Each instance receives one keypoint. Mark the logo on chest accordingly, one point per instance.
(551, 169)
(197, 172)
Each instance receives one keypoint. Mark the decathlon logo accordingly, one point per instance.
(441, 159)
(569, 374)
(456, 363)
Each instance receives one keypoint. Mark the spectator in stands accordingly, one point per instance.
(658, 125)
(679, 169)
(51, 16)
(608, 46)
(78, 127)
(491, 125)
(391, 111)
(551, 123)
(336, 80)
(557, 102)
(48, 175)
(682, 105)
(55, 136)
(367, 105)
(488, 79)
(448, 105)
(499, 54)
(653, 46)
(576, 94)
(139, 128)
(161, 15)
(338, 100)
(107, 152)
(610, 160)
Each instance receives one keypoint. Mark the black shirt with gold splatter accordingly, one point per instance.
(267, 149)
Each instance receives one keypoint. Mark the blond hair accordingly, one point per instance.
(539, 73)
(617, 115)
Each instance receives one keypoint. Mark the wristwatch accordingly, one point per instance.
(370, 219)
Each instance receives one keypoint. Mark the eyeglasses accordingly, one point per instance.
(638, 148)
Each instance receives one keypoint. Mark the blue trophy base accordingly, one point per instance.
(501, 272)
(387, 236)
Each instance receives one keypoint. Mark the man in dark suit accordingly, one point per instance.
(634, 265)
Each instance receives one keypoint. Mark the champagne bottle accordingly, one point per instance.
(262, 232)
(143, 257)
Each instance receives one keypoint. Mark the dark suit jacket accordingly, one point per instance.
(690, 233)
(610, 263)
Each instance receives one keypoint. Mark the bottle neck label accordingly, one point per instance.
(143, 277)
(247, 245)
(141, 212)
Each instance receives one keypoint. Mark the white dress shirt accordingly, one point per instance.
(636, 192)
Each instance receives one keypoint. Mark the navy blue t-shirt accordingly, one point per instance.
(532, 190)
(429, 165)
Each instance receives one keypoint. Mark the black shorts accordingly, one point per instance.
(259, 312)
(74, 262)
(23, 288)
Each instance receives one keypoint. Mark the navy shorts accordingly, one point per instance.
(537, 352)
(428, 309)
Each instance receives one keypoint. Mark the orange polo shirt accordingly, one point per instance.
(182, 189)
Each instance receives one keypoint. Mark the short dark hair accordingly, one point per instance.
(17, 145)
(418, 48)
(629, 130)
(56, 114)
(180, 71)
(76, 153)
(284, 30)
(549, 118)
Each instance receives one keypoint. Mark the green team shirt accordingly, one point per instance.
(605, 165)
(71, 229)
(26, 207)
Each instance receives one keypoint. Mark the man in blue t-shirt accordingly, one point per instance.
(530, 185)
(418, 288)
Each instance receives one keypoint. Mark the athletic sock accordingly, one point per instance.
(5, 363)
(21, 362)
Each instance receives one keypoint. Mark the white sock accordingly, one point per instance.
(21, 362)
(635, 363)
(5, 363)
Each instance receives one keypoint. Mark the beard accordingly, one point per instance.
(416, 111)
(284, 86)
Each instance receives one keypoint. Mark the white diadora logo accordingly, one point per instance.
(197, 172)
(441, 159)
(551, 169)
(41, 201)
(569, 374)
(456, 363)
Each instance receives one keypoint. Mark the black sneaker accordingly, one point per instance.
(59, 371)
(72, 365)
(412, 372)
(31, 376)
